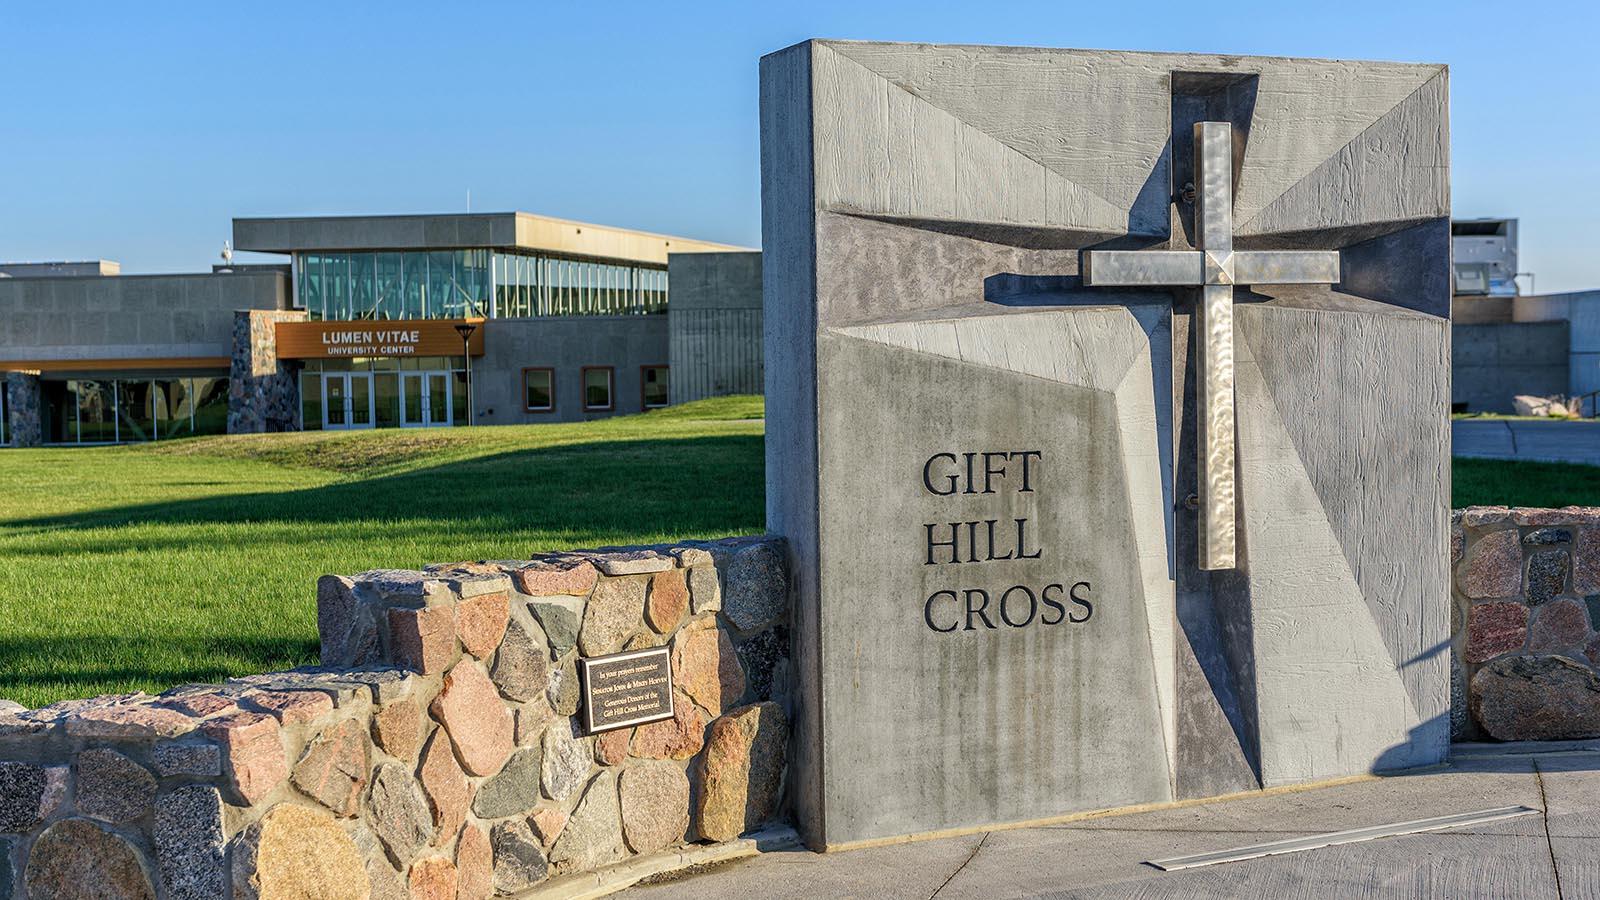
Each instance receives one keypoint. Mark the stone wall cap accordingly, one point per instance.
(1473, 516)
(1567, 515)
(137, 719)
(629, 562)
(13, 724)
(463, 569)
(338, 683)
(691, 556)
(404, 585)
(469, 586)
(1484, 515)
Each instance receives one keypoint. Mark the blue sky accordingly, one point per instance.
(135, 132)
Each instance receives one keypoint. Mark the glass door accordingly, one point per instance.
(347, 400)
(361, 411)
(411, 399)
(425, 400)
(336, 401)
(438, 403)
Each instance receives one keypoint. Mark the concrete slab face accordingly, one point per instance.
(565, 345)
(926, 210)
(130, 316)
(978, 635)
(1581, 311)
(715, 324)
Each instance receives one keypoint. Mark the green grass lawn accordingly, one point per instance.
(1494, 482)
(141, 567)
(144, 566)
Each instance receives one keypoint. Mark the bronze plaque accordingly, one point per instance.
(626, 689)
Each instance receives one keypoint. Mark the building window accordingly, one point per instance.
(539, 390)
(443, 284)
(528, 285)
(597, 388)
(653, 386)
(124, 410)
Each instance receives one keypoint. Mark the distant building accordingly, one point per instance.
(1484, 257)
(1579, 313)
(374, 321)
(1505, 343)
(59, 269)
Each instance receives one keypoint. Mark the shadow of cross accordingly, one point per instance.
(1215, 268)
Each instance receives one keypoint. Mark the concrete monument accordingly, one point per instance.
(1106, 421)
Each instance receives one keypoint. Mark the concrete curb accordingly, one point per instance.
(1487, 750)
(586, 885)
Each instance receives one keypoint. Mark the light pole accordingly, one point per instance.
(465, 329)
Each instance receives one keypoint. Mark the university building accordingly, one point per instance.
(1504, 343)
(379, 321)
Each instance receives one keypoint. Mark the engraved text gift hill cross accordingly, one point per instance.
(1013, 297)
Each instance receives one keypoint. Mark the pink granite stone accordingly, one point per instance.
(1586, 561)
(1495, 628)
(423, 640)
(449, 794)
(479, 724)
(199, 703)
(544, 578)
(1558, 624)
(290, 707)
(1492, 567)
(481, 622)
(705, 666)
(252, 752)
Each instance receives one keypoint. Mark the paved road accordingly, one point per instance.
(1529, 439)
(1554, 854)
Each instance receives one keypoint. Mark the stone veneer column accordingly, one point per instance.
(263, 392)
(1526, 639)
(23, 425)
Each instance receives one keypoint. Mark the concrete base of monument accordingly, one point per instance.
(1107, 856)
(1087, 815)
(602, 882)
(672, 864)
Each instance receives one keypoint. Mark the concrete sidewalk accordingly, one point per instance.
(1554, 854)
(1527, 439)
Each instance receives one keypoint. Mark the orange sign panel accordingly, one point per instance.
(420, 337)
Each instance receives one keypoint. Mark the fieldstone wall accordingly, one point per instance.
(1527, 623)
(24, 428)
(263, 391)
(435, 754)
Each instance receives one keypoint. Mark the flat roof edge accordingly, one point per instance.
(516, 230)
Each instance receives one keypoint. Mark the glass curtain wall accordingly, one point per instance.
(459, 284)
(534, 285)
(124, 410)
(441, 284)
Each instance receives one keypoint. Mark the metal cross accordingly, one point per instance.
(1215, 268)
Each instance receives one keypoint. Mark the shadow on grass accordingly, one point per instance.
(692, 486)
(106, 663)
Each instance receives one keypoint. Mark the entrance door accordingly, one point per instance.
(347, 400)
(425, 400)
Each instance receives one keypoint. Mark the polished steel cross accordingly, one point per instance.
(1215, 268)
